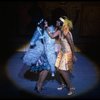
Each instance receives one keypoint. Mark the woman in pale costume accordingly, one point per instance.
(38, 57)
(65, 57)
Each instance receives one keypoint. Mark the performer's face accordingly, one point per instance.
(65, 29)
(57, 23)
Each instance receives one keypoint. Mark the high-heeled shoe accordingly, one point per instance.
(71, 91)
(37, 89)
(61, 87)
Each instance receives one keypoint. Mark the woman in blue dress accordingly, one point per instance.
(39, 55)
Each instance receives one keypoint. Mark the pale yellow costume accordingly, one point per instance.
(64, 58)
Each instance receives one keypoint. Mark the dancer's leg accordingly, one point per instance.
(62, 84)
(42, 77)
(67, 80)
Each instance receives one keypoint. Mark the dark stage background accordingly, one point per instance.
(18, 20)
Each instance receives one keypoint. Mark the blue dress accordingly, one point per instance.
(50, 49)
(33, 54)
(42, 56)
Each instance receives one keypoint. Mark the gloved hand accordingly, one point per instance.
(74, 59)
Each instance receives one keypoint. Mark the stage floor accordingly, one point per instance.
(84, 77)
